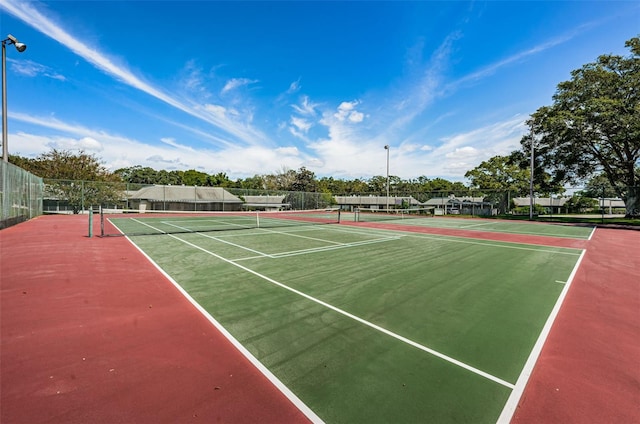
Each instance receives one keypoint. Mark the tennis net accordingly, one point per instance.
(372, 215)
(134, 222)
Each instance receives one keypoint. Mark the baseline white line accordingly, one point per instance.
(254, 361)
(512, 403)
(507, 245)
(481, 242)
(592, 232)
(355, 318)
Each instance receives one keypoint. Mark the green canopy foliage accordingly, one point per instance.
(593, 126)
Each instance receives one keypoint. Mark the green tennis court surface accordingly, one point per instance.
(513, 227)
(368, 326)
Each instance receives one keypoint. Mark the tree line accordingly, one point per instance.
(590, 135)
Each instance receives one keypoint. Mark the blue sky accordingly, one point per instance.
(251, 88)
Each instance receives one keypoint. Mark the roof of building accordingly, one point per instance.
(188, 194)
(265, 199)
(541, 201)
(455, 201)
(375, 200)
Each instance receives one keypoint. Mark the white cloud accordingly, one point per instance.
(346, 111)
(462, 152)
(356, 116)
(31, 69)
(172, 142)
(29, 14)
(306, 107)
(288, 151)
(235, 83)
(301, 124)
(294, 87)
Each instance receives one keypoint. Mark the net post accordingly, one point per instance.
(101, 222)
(91, 222)
(339, 214)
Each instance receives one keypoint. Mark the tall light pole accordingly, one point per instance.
(386, 147)
(20, 47)
(531, 180)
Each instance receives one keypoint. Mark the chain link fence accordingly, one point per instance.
(22, 194)
(66, 196)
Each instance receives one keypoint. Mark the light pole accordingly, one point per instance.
(531, 181)
(386, 147)
(20, 47)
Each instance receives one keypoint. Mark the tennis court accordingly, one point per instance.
(425, 219)
(360, 324)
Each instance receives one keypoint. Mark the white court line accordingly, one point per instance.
(482, 242)
(477, 225)
(243, 350)
(355, 318)
(512, 403)
(328, 248)
(592, 233)
(310, 250)
(261, 254)
(144, 223)
(301, 236)
(507, 245)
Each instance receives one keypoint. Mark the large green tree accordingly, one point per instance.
(77, 178)
(500, 173)
(593, 126)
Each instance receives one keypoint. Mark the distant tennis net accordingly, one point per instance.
(135, 222)
(372, 215)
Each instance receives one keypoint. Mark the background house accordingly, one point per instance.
(184, 198)
(464, 205)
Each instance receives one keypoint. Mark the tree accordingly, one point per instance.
(593, 126)
(254, 183)
(195, 178)
(500, 173)
(500, 178)
(599, 186)
(138, 175)
(304, 180)
(80, 179)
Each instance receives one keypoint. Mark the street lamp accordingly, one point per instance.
(386, 147)
(20, 47)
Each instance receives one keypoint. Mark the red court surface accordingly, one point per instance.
(91, 332)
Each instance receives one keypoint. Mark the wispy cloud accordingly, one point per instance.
(294, 87)
(30, 68)
(235, 83)
(121, 152)
(110, 66)
(523, 55)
